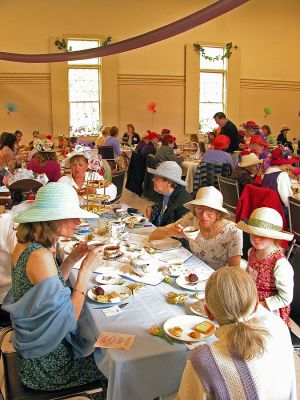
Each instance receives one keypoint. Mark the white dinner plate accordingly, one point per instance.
(183, 283)
(198, 308)
(109, 279)
(120, 289)
(165, 244)
(187, 324)
(174, 270)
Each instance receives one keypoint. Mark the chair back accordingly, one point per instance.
(230, 191)
(294, 223)
(295, 305)
(106, 152)
(207, 175)
(136, 173)
(148, 189)
(294, 217)
(118, 180)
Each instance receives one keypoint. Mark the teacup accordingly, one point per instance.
(191, 232)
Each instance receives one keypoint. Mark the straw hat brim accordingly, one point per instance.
(52, 214)
(202, 202)
(269, 233)
(244, 165)
(162, 175)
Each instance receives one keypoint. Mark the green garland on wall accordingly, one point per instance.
(228, 47)
(62, 44)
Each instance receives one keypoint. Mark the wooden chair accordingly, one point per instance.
(294, 223)
(230, 191)
(15, 390)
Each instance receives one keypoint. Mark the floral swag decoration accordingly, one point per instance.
(43, 145)
(228, 47)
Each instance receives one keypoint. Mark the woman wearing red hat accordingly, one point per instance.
(217, 154)
(151, 147)
(276, 176)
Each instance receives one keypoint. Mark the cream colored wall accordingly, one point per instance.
(266, 32)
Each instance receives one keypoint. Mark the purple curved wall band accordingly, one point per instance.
(165, 32)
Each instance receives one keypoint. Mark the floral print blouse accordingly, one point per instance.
(216, 251)
(7, 159)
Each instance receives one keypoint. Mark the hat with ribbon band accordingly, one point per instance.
(265, 222)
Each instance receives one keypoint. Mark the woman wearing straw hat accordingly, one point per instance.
(51, 354)
(246, 170)
(253, 357)
(283, 139)
(266, 261)
(168, 183)
(45, 160)
(78, 161)
(218, 241)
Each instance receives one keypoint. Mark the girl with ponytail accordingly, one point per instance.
(253, 357)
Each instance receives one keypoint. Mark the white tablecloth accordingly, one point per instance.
(152, 367)
(188, 169)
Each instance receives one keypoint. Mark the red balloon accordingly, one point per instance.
(151, 106)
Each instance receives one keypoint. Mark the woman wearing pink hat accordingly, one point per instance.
(217, 154)
(276, 176)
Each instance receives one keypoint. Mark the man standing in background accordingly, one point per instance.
(229, 129)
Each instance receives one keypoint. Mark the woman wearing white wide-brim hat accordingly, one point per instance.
(78, 161)
(173, 194)
(51, 353)
(217, 241)
(267, 264)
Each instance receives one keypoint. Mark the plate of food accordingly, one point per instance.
(191, 281)
(109, 294)
(112, 252)
(189, 328)
(96, 208)
(175, 269)
(109, 279)
(135, 220)
(96, 197)
(165, 244)
(97, 184)
(198, 308)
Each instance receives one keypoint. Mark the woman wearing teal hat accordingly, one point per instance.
(45, 314)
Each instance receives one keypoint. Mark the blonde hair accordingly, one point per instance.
(78, 157)
(45, 232)
(231, 295)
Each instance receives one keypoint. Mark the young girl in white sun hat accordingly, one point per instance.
(267, 263)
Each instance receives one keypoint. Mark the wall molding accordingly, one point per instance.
(25, 77)
(158, 80)
(270, 84)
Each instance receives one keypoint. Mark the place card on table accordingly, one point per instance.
(113, 340)
(110, 311)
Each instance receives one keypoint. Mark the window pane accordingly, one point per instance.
(84, 45)
(83, 85)
(212, 52)
(84, 118)
(211, 87)
(206, 113)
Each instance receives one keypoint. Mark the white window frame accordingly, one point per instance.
(88, 66)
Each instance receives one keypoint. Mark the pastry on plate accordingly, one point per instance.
(195, 335)
(112, 252)
(176, 331)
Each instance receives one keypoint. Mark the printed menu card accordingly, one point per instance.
(113, 340)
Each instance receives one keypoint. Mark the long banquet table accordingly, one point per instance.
(152, 367)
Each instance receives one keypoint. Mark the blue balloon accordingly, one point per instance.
(11, 107)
